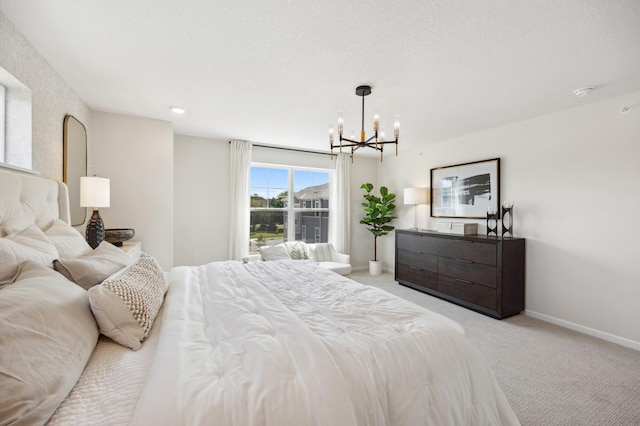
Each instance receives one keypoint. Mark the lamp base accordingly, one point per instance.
(95, 230)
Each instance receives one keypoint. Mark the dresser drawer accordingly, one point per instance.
(468, 271)
(467, 291)
(426, 262)
(485, 253)
(418, 269)
(416, 276)
(417, 243)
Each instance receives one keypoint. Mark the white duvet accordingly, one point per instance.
(288, 343)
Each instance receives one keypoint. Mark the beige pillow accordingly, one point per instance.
(278, 252)
(93, 267)
(47, 334)
(27, 244)
(126, 304)
(67, 240)
(297, 249)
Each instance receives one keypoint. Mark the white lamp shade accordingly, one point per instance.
(416, 195)
(94, 192)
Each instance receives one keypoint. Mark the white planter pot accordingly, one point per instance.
(375, 267)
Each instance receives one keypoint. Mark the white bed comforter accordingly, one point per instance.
(289, 343)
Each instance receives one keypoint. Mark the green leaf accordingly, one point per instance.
(378, 211)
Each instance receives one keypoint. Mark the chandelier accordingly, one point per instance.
(377, 141)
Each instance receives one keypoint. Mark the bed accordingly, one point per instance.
(265, 343)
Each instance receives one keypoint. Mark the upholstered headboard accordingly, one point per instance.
(27, 199)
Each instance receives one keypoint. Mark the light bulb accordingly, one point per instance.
(396, 127)
(376, 121)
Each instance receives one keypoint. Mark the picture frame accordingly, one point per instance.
(466, 190)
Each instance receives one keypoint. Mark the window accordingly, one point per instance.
(15, 133)
(284, 201)
(3, 92)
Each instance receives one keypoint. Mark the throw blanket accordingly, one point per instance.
(288, 343)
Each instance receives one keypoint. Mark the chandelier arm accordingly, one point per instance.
(370, 139)
(373, 145)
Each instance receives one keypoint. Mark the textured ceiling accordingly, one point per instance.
(277, 72)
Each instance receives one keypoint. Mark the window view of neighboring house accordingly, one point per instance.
(314, 213)
(286, 202)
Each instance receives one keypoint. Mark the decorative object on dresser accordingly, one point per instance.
(377, 141)
(416, 196)
(95, 193)
(492, 222)
(465, 190)
(379, 214)
(507, 218)
(485, 274)
(117, 236)
(459, 228)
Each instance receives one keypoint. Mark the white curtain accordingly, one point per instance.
(240, 166)
(340, 220)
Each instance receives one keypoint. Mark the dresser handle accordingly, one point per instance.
(463, 281)
(463, 260)
(415, 269)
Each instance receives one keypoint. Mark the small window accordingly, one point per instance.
(3, 92)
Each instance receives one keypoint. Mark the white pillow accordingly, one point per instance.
(68, 241)
(47, 334)
(274, 253)
(126, 304)
(93, 267)
(297, 249)
(28, 244)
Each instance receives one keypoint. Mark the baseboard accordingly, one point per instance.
(586, 330)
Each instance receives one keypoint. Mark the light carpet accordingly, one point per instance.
(549, 374)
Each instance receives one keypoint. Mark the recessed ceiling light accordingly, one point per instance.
(584, 91)
(625, 110)
(177, 109)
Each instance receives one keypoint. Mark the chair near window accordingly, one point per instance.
(323, 253)
(327, 257)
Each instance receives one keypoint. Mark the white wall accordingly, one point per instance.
(201, 200)
(573, 177)
(137, 155)
(51, 99)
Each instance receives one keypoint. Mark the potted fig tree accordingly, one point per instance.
(377, 219)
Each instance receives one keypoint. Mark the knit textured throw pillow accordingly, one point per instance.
(126, 304)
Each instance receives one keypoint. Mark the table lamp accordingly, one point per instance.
(415, 196)
(95, 193)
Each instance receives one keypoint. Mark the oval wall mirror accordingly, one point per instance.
(74, 165)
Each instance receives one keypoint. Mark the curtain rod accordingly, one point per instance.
(284, 148)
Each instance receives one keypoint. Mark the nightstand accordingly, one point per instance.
(132, 248)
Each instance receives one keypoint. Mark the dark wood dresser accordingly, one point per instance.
(483, 273)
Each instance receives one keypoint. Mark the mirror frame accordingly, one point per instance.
(74, 165)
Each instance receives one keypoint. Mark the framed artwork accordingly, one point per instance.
(466, 190)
